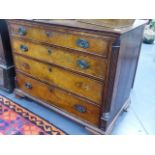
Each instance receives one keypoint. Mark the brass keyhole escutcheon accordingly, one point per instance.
(49, 51)
(51, 89)
(81, 85)
(50, 69)
(48, 33)
(26, 66)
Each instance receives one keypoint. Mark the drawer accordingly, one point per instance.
(62, 100)
(80, 85)
(79, 41)
(94, 66)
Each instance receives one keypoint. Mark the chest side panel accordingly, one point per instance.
(128, 55)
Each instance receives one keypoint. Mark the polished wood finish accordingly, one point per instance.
(59, 98)
(76, 25)
(129, 51)
(96, 44)
(6, 62)
(110, 23)
(46, 53)
(80, 85)
(62, 57)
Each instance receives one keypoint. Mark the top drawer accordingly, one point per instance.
(81, 41)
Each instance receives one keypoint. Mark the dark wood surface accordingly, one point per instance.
(130, 44)
(103, 86)
(7, 78)
(5, 47)
(6, 61)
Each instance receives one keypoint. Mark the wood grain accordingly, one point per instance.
(72, 82)
(96, 44)
(97, 66)
(60, 99)
(53, 78)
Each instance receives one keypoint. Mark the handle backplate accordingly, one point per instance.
(28, 85)
(83, 64)
(24, 48)
(22, 31)
(80, 108)
(83, 43)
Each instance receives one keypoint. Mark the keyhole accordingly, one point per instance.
(50, 69)
(49, 51)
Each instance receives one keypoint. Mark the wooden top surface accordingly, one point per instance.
(77, 24)
(73, 23)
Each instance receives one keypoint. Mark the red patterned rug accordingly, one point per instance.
(16, 120)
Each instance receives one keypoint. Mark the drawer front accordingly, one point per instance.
(80, 85)
(81, 41)
(72, 60)
(60, 99)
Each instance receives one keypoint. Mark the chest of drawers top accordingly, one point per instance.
(87, 26)
(70, 34)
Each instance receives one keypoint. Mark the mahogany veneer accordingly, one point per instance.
(84, 72)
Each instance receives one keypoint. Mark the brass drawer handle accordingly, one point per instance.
(83, 64)
(80, 108)
(24, 48)
(48, 34)
(28, 85)
(82, 43)
(22, 31)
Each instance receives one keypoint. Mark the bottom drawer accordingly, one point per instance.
(61, 99)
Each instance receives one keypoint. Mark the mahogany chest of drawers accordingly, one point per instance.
(6, 61)
(82, 71)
